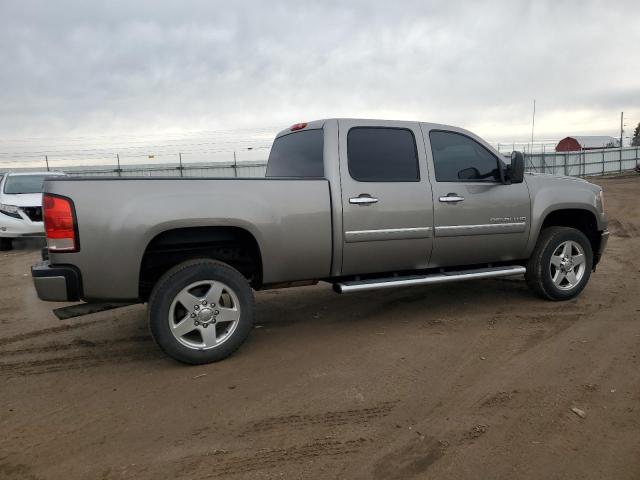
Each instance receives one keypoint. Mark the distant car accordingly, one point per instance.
(21, 206)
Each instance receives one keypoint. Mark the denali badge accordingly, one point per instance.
(508, 219)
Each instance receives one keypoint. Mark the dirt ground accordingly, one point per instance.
(472, 380)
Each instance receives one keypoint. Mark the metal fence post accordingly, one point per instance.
(46, 159)
(566, 170)
(180, 167)
(620, 159)
(602, 162)
(119, 169)
(235, 165)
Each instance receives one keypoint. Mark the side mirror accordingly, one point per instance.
(515, 171)
(470, 173)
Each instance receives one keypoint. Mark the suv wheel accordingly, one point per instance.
(6, 244)
(561, 263)
(201, 311)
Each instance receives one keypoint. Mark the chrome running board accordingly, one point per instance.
(412, 280)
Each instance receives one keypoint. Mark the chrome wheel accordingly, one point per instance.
(567, 266)
(204, 314)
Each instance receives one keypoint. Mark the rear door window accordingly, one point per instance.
(378, 154)
(297, 154)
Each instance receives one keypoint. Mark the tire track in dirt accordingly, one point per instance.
(76, 344)
(50, 365)
(218, 463)
(622, 229)
(331, 419)
(215, 462)
(48, 331)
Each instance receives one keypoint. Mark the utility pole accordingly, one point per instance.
(118, 157)
(180, 154)
(621, 127)
(46, 159)
(533, 123)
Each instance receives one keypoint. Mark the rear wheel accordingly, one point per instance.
(561, 263)
(201, 311)
(6, 244)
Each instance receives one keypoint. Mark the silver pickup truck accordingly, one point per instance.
(362, 204)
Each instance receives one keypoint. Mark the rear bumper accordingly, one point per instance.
(58, 283)
(604, 238)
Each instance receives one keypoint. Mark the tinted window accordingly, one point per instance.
(458, 158)
(382, 155)
(16, 184)
(297, 155)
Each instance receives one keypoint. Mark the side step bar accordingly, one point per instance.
(412, 280)
(80, 309)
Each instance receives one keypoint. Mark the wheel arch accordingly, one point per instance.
(580, 218)
(235, 246)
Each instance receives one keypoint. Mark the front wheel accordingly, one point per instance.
(561, 263)
(201, 311)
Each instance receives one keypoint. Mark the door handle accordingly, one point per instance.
(363, 199)
(452, 198)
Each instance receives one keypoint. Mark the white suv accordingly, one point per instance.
(21, 206)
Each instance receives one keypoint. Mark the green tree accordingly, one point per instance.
(635, 141)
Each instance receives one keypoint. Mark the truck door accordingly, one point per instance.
(386, 197)
(478, 219)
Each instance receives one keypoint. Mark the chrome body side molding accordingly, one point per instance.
(387, 234)
(482, 229)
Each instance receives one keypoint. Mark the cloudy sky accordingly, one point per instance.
(85, 76)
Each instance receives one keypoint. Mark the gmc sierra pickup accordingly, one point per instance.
(362, 204)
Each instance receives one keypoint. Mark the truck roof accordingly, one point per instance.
(320, 123)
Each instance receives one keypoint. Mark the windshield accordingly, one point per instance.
(17, 184)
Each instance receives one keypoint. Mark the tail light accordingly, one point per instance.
(60, 223)
(298, 126)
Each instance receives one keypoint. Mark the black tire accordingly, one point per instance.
(172, 283)
(6, 244)
(539, 276)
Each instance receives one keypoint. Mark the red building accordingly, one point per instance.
(577, 144)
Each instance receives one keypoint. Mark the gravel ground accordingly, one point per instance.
(473, 380)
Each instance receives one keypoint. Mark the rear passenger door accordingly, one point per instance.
(386, 197)
(478, 219)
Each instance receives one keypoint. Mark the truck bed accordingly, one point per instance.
(117, 218)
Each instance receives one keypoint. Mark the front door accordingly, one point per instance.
(478, 219)
(386, 197)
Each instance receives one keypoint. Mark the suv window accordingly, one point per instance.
(19, 184)
(378, 154)
(458, 158)
(297, 154)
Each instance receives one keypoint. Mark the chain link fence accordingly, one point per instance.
(584, 163)
(579, 164)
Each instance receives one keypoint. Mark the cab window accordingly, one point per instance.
(458, 158)
(297, 154)
(378, 154)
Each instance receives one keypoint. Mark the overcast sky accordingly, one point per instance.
(117, 71)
